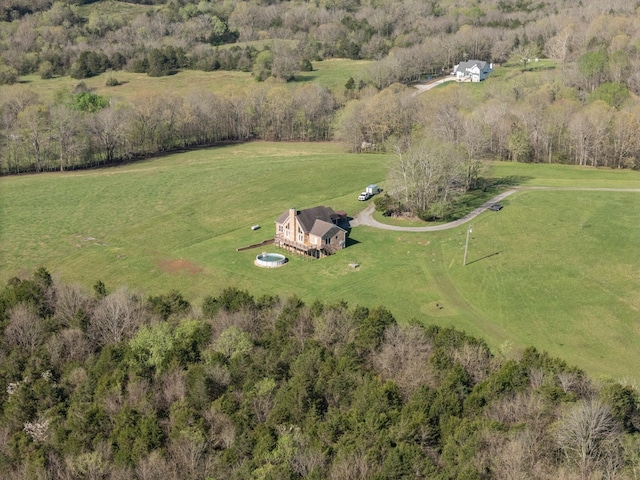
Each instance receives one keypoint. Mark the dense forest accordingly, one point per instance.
(583, 110)
(114, 384)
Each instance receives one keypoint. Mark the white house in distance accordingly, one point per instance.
(472, 71)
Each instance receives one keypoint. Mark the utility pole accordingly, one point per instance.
(466, 246)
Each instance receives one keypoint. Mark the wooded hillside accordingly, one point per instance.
(114, 385)
(579, 107)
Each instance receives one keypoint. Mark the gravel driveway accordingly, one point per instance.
(365, 217)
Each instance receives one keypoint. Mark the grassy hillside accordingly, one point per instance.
(330, 74)
(555, 269)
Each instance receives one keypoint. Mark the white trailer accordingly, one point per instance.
(373, 189)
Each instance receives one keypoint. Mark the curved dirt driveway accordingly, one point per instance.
(365, 217)
(423, 87)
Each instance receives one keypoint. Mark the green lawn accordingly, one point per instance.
(556, 269)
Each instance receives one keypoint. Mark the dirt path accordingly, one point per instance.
(365, 217)
(423, 87)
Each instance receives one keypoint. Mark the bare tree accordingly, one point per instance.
(559, 47)
(153, 467)
(625, 142)
(356, 466)
(25, 329)
(174, 386)
(475, 359)
(404, 357)
(590, 437)
(72, 303)
(519, 408)
(428, 177)
(222, 432)
(286, 61)
(108, 127)
(520, 456)
(67, 128)
(68, 345)
(475, 140)
(187, 452)
(566, 380)
(34, 121)
(303, 328)
(496, 118)
(335, 328)
(155, 120)
(116, 317)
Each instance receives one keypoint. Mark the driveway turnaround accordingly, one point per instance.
(365, 217)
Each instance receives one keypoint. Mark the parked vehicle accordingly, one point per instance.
(364, 196)
(373, 189)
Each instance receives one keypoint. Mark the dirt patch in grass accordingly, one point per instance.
(179, 266)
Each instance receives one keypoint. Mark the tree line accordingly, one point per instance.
(530, 118)
(584, 112)
(115, 384)
(80, 130)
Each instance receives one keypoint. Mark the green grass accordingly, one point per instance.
(120, 224)
(554, 269)
(565, 175)
(331, 74)
(558, 270)
(120, 11)
(334, 73)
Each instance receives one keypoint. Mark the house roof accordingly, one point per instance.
(324, 229)
(283, 217)
(308, 217)
(318, 221)
(469, 64)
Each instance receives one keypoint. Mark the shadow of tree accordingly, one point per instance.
(493, 184)
(304, 79)
(486, 189)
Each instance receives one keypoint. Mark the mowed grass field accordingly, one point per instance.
(557, 269)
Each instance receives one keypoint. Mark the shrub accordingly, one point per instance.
(8, 75)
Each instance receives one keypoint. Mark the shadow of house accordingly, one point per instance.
(315, 232)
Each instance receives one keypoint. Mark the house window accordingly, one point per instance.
(286, 232)
(327, 240)
(280, 228)
(300, 237)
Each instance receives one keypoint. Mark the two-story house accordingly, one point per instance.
(472, 71)
(313, 231)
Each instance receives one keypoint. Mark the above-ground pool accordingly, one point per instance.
(270, 260)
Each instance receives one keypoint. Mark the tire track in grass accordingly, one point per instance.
(453, 297)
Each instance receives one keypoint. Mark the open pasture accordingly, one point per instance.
(557, 269)
(331, 74)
